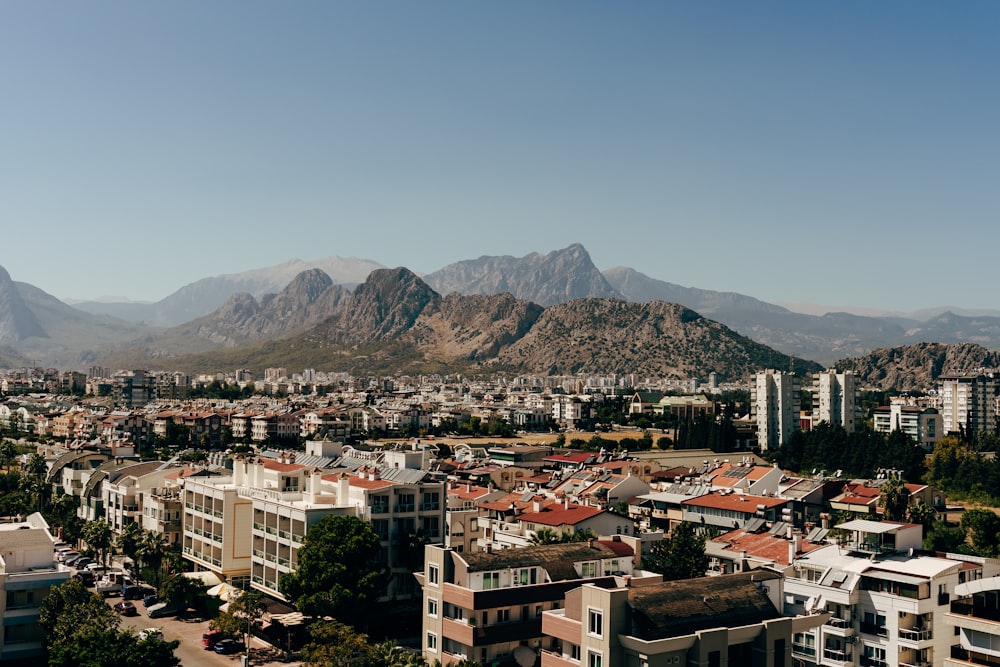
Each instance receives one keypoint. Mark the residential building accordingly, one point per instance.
(888, 600)
(28, 571)
(774, 402)
(968, 402)
(974, 615)
(923, 424)
(834, 397)
(483, 606)
(732, 620)
(217, 522)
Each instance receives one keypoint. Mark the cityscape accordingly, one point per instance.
(451, 334)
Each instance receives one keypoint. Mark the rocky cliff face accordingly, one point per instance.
(309, 299)
(654, 339)
(917, 367)
(559, 276)
(17, 322)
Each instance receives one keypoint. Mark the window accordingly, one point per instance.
(595, 622)
(432, 607)
(491, 580)
(527, 576)
(473, 525)
(588, 569)
(503, 615)
(433, 574)
(432, 642)
(594, 659)
(574, 652)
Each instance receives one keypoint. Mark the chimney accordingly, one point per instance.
(590, 543)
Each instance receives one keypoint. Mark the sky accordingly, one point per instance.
(840, 153)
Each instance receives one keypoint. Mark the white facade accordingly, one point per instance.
(835, 399)
(775, 403)
(968, 403)
(889, 601)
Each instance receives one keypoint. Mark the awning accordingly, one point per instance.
(206, 578)
(895, 576)
(224, 592)
(289, 619)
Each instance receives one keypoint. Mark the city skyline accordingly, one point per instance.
(834, 155)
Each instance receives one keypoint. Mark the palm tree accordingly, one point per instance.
(8, 451)
(546, 536)
(893, 498)
(97, 535)
(151, 551)
(34, 469)
(129, 539)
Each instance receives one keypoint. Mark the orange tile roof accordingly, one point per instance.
(557, 515)
(739, 502)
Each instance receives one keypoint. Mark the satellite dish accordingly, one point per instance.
(525, 656)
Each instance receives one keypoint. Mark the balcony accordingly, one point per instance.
(804, 650)
(868, 661)
(402, 508)
(837, 655)
(972, 657)
(873, 629)
(915, 634)
(839, 626)
(428, 507)
(975, 611)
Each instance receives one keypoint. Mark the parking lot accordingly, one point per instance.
(188, 631)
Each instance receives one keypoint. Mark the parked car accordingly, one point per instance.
(150, 600)
(227, 646)
(137, 592)
(86, 576)
(82, 563)
(71, 559)
(151, 633)
(161, 609)
(211, 638)
(126, 608)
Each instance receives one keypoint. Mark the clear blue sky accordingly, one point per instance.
(836, 153)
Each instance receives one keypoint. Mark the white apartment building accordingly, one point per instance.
(968, 402)
(888, 600)
(774, 402)
(835, 399)
(217, 520)
(28, 570)
(923, 425)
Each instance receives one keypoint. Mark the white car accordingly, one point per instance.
(151, 633)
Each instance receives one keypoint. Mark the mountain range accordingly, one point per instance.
(492, 310)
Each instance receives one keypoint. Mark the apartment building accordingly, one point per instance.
(484, 605)
(28, 571)
(732, 620)
(968, 402)
(834, 398)
(974, 616)
(216, 528)
(888, 600)
(774, 402)
(924, 425)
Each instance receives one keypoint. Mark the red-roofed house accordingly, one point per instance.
(732, 510)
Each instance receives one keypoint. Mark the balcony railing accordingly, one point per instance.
(873, 629)
(915, 634)
(840, 623)
(837, 655)
(804, 649)
(959, 653)
(975, 610)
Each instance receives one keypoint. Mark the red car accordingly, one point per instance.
(126, 608)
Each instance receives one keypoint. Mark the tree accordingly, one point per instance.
(336, 644)
(129, 539)
(922, 514)
(151, 551)
(8, 452)
(183, 592)
(338, 573)
(83, 631)
(983, 527)
(680, 555)
(243, 616)
(98, 537)
(893, 498)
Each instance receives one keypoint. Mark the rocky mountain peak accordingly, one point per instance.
(17, 322)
